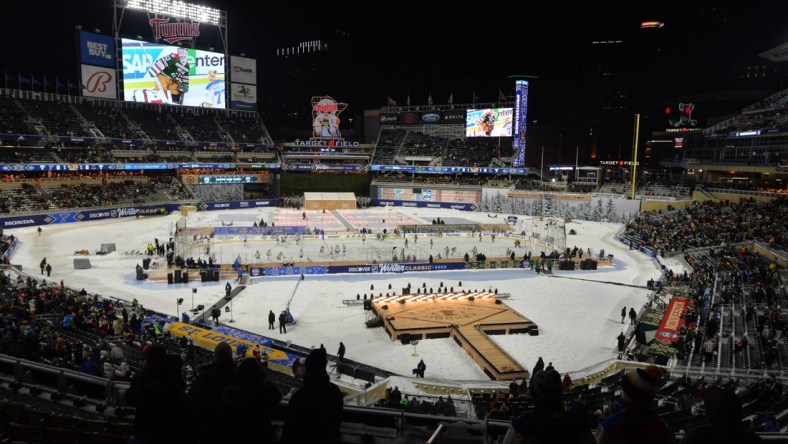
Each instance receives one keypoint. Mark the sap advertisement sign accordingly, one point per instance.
(97, 49)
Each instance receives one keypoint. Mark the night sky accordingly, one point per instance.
(412, 48)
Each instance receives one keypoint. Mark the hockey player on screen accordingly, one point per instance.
(214, 91)
(171, 75)
(487, 122)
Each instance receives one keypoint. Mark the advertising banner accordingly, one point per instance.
(409, 118)
(390, 118)
(449, 169)
(258, 231)
(354, 269)
(669, 329)
(325, 167)
(454, 116)
(99, 82)
(97, 50)
(243, 70)
(431, 117)
(243, 97)
(211, 206)
(172, 75)
(88, 215)
(410, 203)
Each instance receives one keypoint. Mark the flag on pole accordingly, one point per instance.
(451, 99)
(474, 97)
(501, 96)
(407, 100)
(391, 102)
(58, 85)
(429, 100)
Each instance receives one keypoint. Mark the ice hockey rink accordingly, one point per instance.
(578, 312)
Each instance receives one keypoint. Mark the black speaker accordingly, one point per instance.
(146, 263)
(591, 265)
(404, 339)
(216, 275)
(178, 276)
(203, 275)
(169, 278)
(367, 304)
(406, 290)
(185, 277)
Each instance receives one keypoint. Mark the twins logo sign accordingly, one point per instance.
(98, 82)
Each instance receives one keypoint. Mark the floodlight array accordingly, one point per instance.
(175, 8)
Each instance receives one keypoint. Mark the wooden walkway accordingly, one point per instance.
(468, 318)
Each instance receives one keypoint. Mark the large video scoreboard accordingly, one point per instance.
(172, 75)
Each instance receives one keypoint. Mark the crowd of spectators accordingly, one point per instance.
(711, 223)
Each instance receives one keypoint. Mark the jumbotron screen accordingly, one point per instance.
(490, 122)
(172, 75)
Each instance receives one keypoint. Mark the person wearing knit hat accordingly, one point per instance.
(635, 421)
(548, 422)
(640, 385)
(314, 412)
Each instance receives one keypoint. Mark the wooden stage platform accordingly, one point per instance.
(468, 318)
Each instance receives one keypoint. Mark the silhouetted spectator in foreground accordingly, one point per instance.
(548, 422)
(314, 413)
(723, 421)
(153, 390)
(206, 393)
(250, 400)
(635, 421)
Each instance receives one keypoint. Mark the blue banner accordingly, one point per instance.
(212, 206)
(260, 231)
(20, 137)
(67, 217)
(129, 166)
(449, 169)
(97, 49)
(355, 269)
(396, 267)
(325, 167)
(420, 204)
(287, 270)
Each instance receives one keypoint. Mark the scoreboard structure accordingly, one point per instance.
(172, 60)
